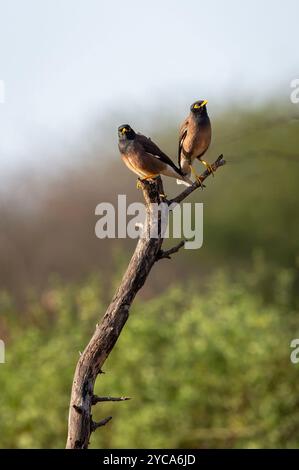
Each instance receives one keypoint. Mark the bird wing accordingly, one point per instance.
(182, 136)
(150, 147)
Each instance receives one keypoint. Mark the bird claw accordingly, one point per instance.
(138, 184)
(199, 181)
(208, 167)
(197, 178)
(212, 172)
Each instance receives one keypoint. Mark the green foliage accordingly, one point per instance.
(205, 366)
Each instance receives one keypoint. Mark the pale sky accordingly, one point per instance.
(67, 62)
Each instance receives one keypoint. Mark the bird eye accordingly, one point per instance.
(200, 104)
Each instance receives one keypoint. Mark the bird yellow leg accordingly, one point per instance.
(197, 177)
(208, 166)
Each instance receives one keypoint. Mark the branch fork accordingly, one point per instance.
(167, 253)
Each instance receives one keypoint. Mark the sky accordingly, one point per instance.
(68, 63)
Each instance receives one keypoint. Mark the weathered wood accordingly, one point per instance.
(107, 332)
(147, 252)
(95, 399)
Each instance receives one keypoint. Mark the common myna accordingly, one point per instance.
(195, 138)
(143, 156)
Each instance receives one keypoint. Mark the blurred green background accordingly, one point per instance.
(205, 354)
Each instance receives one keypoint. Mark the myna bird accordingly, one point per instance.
(143, 156)
(195, 138)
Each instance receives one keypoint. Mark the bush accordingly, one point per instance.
(205, 366)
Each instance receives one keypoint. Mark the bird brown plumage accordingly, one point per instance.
(194, 138)
(142, 156)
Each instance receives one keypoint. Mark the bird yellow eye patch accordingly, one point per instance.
(124, 130)
(197, 106)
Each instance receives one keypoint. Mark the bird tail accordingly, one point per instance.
(181, 182)
(184, 179)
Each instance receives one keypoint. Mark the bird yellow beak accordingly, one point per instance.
(198, 106)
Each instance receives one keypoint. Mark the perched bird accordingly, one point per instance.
(195, 138)
(143, 156)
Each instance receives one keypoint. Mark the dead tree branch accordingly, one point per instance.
(94, 425)
(95, 399)
(166, 254)
(217, 164)
(147, 252)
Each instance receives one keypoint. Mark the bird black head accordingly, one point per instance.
(126, 132)
(199, 107)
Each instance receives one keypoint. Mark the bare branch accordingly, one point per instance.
(166, 253)
(95, 399)
(94, 425)
(217, 164)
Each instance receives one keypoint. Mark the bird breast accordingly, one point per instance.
(197, 140)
